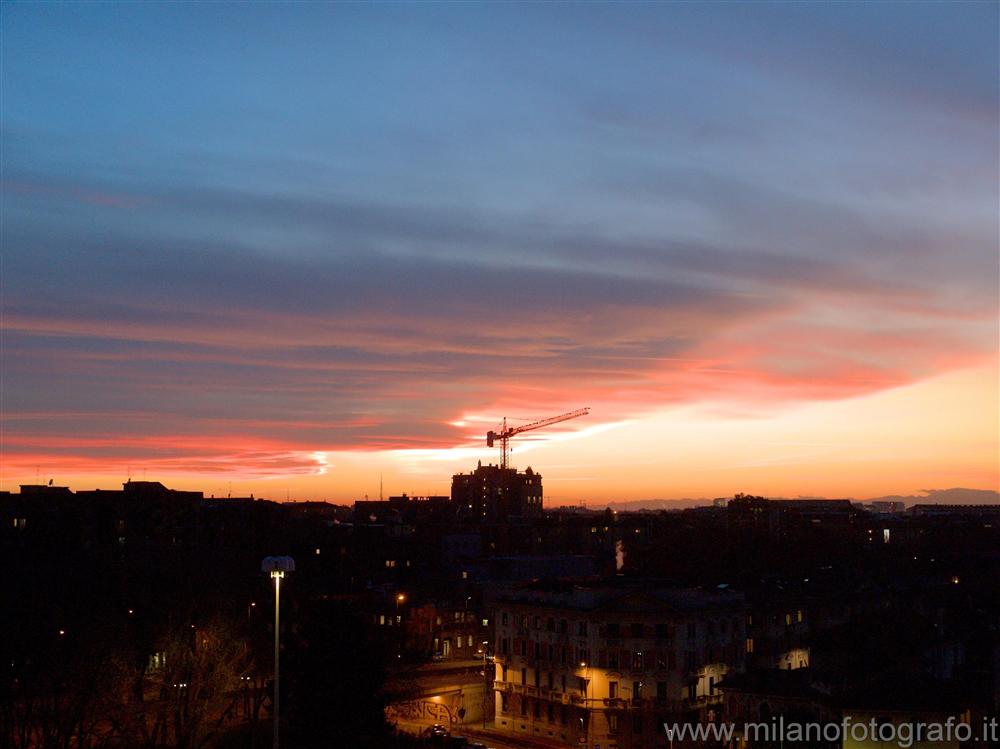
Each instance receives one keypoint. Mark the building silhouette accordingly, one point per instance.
(492, 493)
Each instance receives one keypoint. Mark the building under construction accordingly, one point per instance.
(493, 493)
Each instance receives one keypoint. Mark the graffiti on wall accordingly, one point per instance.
(420, 711)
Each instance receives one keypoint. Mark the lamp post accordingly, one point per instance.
(277, 566)
(487, 688)
(400, 600)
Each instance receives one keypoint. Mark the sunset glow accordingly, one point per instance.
(303, 298)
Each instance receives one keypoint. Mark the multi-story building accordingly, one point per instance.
(492, 493)
(606, 663)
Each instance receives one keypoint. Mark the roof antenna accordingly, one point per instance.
(380, 487)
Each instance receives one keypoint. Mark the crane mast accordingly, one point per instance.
(506, 432)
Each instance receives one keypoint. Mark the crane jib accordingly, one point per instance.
(506, 433)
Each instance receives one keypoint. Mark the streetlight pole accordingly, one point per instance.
(277, 566)
(400, 637)
(277, 575)
(586, 701)
(487, 689)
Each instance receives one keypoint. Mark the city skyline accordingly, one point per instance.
(759, 242)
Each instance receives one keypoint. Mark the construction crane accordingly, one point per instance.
(506, 432)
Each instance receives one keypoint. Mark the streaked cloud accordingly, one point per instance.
(365, 241)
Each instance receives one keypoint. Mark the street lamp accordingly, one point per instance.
(400, 637)
(487, 688)
(585, 724)
(277, 566)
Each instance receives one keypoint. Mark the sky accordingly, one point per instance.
(298, 249)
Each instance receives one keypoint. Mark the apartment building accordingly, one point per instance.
(605, 663)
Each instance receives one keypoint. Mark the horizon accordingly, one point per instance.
(767, 262)
(950, 496)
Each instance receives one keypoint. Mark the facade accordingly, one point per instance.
(606, 663)
(492, 494)
(445, 631)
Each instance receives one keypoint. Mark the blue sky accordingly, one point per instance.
(338, 226)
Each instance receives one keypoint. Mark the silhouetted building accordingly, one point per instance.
(491, 493)
(403, 509)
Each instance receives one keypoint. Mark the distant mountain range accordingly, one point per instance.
(956, 496)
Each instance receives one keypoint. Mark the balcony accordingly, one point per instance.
(703, 700)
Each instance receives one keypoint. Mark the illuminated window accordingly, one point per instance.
(749, 644)
(788, 619)
(20, 523)
(798, 615)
